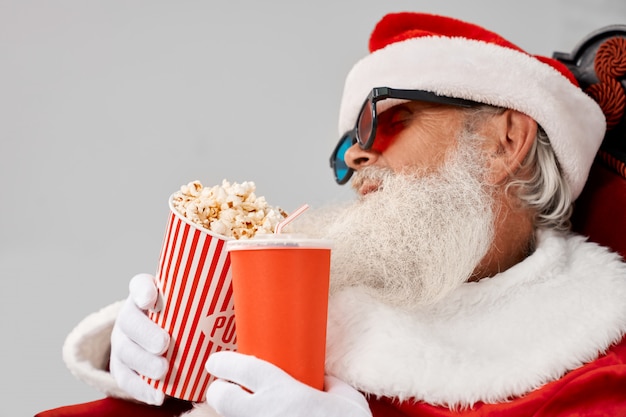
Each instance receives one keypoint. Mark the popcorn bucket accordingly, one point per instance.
(194, 282)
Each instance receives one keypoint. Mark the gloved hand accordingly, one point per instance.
(274, 392)
(137, 343)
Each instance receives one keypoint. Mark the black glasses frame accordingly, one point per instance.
(337, 161)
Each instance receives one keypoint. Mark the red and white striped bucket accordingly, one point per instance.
(194, 281)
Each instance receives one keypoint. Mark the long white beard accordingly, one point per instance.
(417, 238)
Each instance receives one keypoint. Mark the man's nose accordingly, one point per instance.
(357, 158)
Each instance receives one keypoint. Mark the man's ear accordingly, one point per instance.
(513, 134)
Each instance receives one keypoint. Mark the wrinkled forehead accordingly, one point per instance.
(389, 103)
(386, 104)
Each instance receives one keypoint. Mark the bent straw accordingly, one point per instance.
(290, 218)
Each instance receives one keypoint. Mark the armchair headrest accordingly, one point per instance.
(599, 64)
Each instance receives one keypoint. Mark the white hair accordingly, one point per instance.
(545, 191)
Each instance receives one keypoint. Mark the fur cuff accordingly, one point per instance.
(87, 348)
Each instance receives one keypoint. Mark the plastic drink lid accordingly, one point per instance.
(281, 240)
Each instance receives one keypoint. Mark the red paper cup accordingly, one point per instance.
(194, 281)
(280, 284)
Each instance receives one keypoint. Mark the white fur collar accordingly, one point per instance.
(489, 340)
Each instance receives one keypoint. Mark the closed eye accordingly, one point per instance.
(391, 123)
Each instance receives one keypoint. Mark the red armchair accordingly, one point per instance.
(599, 64)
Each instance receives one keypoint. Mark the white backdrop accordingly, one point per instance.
(106, 107)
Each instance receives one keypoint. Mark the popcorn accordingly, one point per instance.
(231, 209)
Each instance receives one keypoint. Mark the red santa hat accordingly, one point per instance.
(453, 58)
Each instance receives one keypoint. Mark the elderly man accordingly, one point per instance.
(456, 286)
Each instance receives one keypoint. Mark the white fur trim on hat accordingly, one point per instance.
(490, 74)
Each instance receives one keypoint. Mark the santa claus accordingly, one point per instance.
(457, 288)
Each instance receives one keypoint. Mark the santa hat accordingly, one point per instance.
(457, 59)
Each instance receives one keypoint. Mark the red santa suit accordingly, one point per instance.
(544, 338)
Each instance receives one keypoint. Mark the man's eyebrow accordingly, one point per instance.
(408, 106)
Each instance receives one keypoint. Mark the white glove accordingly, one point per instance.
(137, 343)
(274, 392)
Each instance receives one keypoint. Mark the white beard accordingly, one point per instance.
(418, 237)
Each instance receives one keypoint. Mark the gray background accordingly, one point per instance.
(106, 107)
